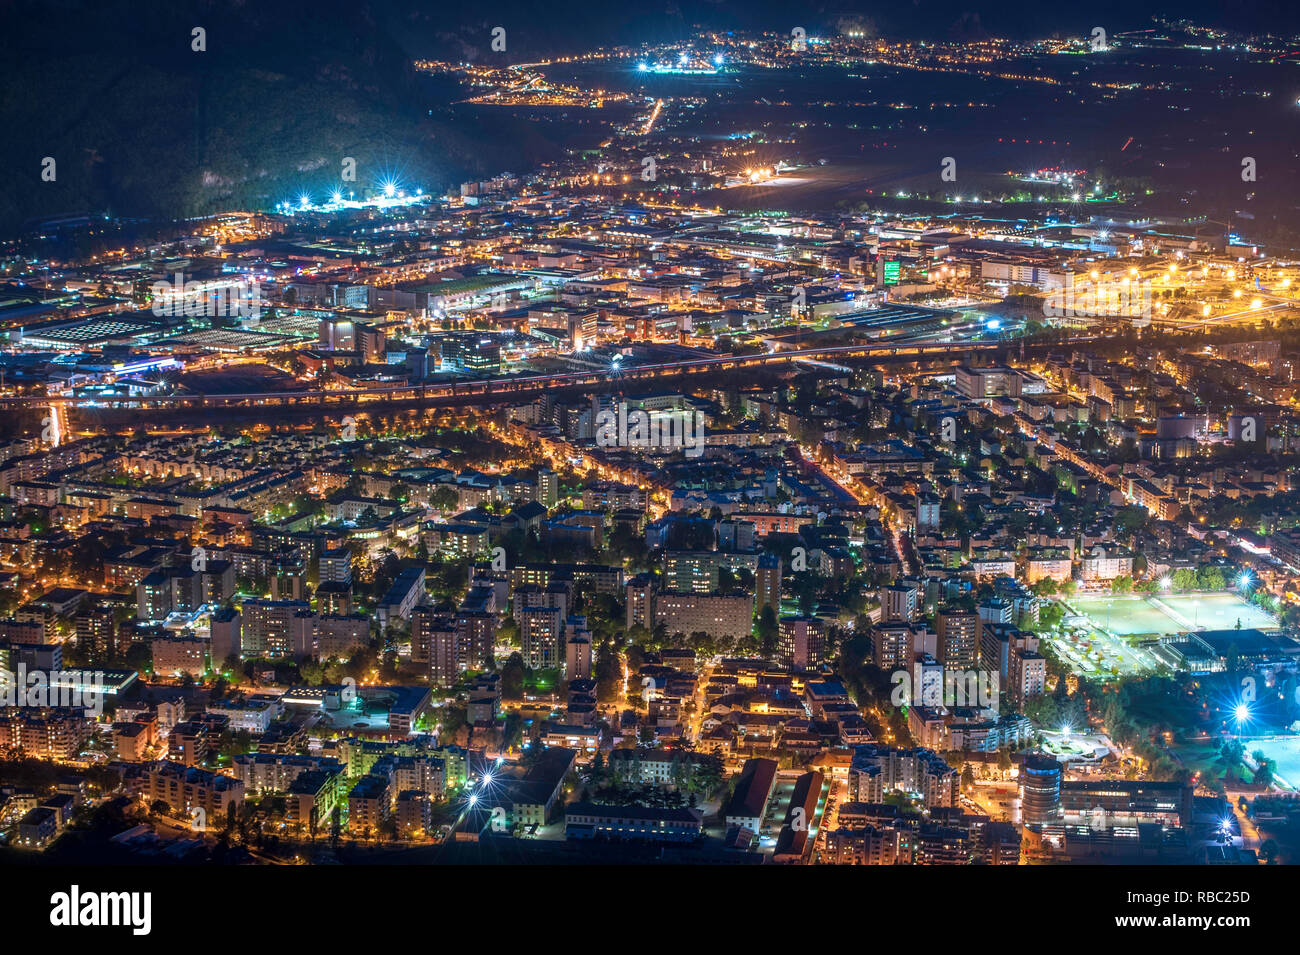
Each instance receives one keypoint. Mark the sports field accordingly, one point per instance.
(1218, 612)
(1285, 751)
(1171, 613)
(1125, 616)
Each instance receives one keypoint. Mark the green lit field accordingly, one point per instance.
(1283, 750)
(1171, 613)
(1218, 612)
(1124, 616)
(1103, 645)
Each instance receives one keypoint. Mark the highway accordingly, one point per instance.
(518, 385)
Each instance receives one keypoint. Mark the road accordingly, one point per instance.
(517, 385)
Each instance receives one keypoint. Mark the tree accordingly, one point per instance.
(1129, 521)
(1268, 851)
(1211, 578)
(1264, 773)
(1050, 616)
(312, 672)
(726, 580)
(512, 678)
(444, 498)
(608, 673)
(597, 771)
(1004, 761)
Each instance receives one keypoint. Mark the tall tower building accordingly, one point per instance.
(767, 583)
(958, 647)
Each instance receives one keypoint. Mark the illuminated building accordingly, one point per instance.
(801, 641)
(45, 732)
(1040, 791)
(586, 820)
(958, 648)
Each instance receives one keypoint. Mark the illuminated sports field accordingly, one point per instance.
(1285, 751)
(1125, 616)
(1219, 611)
(1167, 614)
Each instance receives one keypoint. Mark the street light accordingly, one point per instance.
(1241, 714)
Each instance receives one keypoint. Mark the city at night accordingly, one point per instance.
(694, 438)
